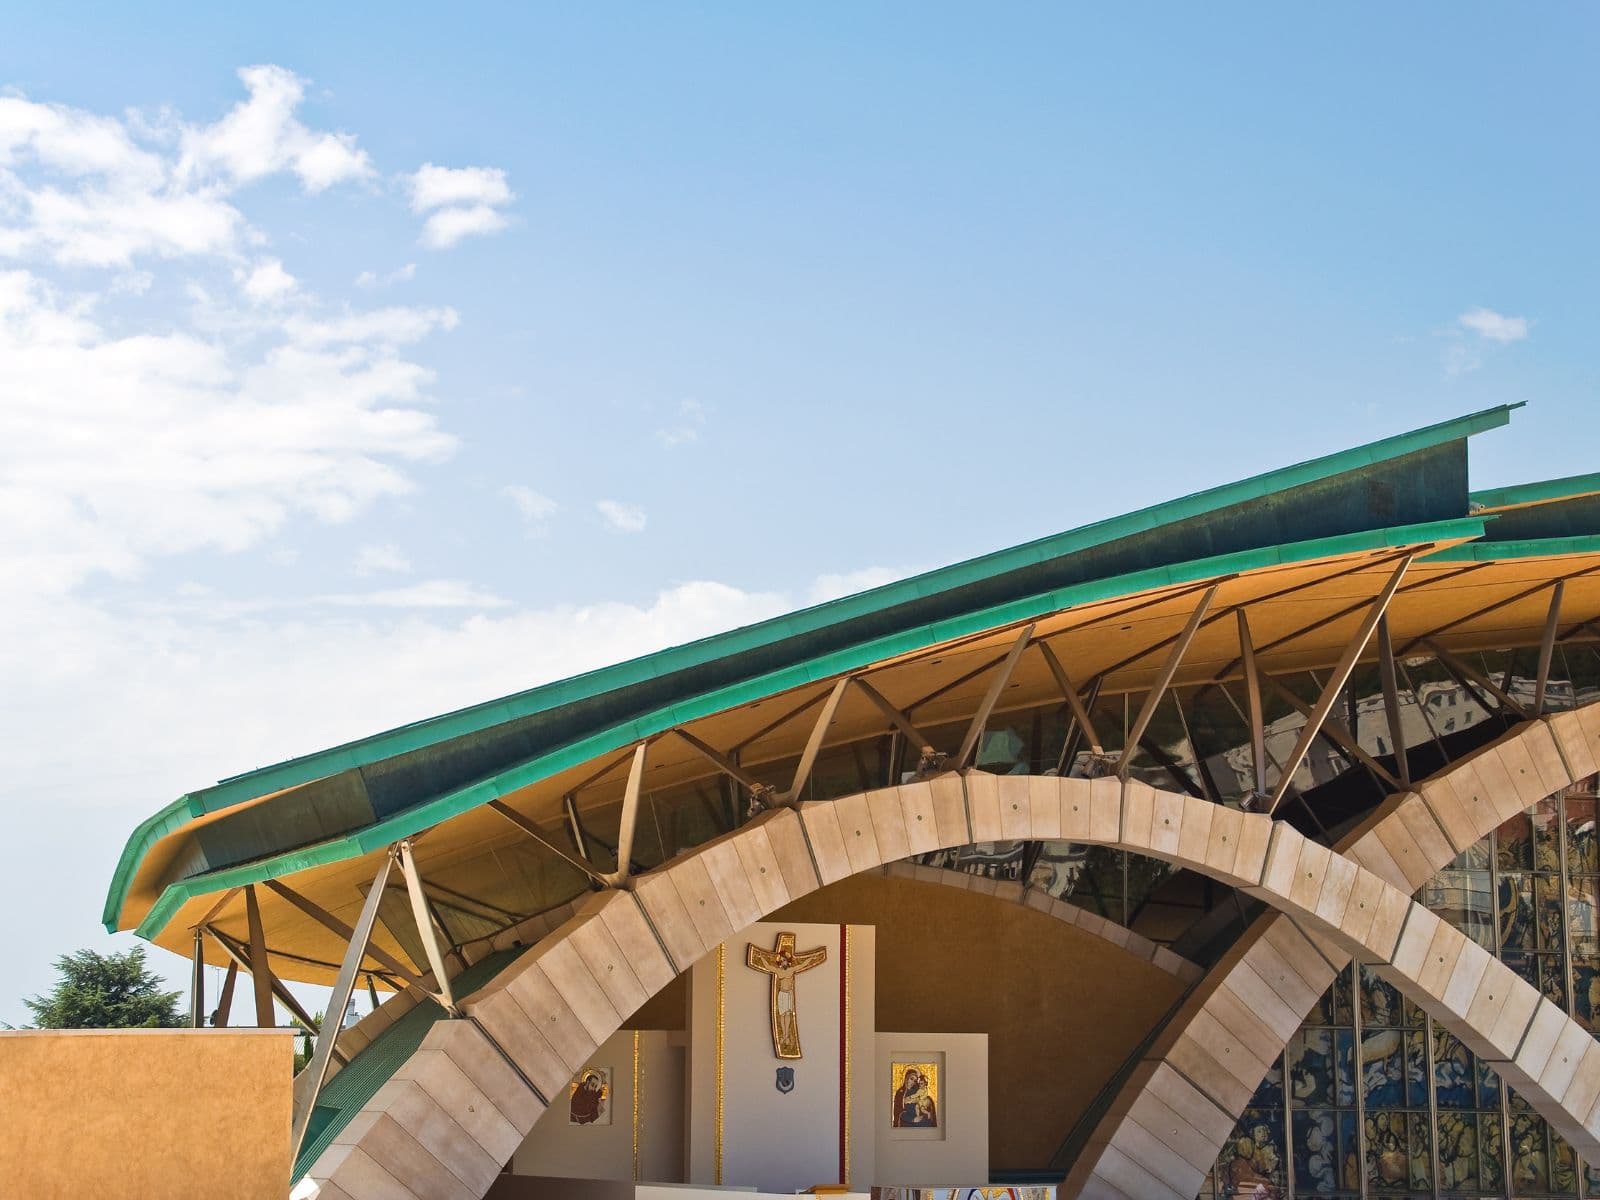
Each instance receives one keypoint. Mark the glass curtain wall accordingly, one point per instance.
(1371, 1098)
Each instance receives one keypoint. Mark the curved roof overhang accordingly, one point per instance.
(1116, 594)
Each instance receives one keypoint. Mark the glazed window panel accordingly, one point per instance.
(857, 766)
(1583, 848)
(1582, 670)
(1326, 1153)
(1164, 757)
(1542, 1164)
(1382, 1102)
(1220, 735)
(1463, 893)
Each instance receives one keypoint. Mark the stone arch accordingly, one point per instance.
(1408, 840)
(534, 1026)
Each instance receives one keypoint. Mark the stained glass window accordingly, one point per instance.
(1373, 1099)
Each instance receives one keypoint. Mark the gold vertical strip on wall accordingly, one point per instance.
(844, 1073)
(722, 1044)
(638, 1102)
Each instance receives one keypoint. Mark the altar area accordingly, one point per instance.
(765, 1074)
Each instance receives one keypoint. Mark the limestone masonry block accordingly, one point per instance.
(787, 835)
(921, 819)
(889, 823)
(667, 913)
(1015, 807)
(827, 842)
(983, 803)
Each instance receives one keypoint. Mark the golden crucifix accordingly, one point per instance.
(783, 964)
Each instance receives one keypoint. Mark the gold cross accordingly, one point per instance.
(783, 964)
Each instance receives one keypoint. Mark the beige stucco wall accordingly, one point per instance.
(146, 1114)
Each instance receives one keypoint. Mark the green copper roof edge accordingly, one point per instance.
(1566, 488)
(440, 808)
(941, 579)
(1528, 548)
(463, 721)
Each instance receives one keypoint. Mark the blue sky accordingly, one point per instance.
(359, 364)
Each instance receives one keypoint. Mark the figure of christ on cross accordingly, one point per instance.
(783, 964)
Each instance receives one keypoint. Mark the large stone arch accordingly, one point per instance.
(446, 1112)
(1271, 969)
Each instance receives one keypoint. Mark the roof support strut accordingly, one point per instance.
(197, 984)
(980, 719)
(240, 955)
(1337, 732)
(427, 927)
(326, 919)
(1158, 688)
(722, 762)
(1252, 688)
(896, 718)
(260, 974)
(219, 1018)
(532, 830)
(630, 817)
(1547, 646)
(1391, 701)
(808, 757)
(1080, 714)
(1336, 681)
(1467, 672)
(338, 1004)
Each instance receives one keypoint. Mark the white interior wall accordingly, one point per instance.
(773, 1140)
(554, 1147)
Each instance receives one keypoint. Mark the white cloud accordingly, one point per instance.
(371, 279)
(1493, 326)
(375, 559)
(623, 518)
(391, 326)
(434, 593)
(448, 226)
(1477, 332)
(535, 508)
(461, 202)
(437, 187)
(691, 418)
(267, 282)
(118, 447)
(261, 136)
(83, 189)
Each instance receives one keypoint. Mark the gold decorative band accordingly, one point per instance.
(638, 1102)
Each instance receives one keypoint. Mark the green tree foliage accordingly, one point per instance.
(106, 991)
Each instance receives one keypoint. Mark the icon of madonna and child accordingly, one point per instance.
(916, 1095)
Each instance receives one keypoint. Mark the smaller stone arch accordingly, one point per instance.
(1276, 972)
